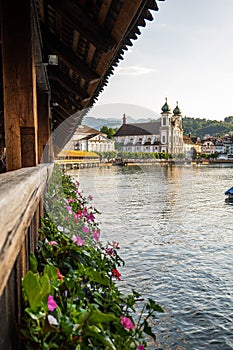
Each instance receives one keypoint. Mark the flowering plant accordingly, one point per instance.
(71, 294)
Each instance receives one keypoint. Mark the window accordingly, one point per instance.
(164, 121)
(164, 139)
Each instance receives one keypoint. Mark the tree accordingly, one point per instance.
(108, 131)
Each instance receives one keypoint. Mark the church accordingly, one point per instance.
(162, 135)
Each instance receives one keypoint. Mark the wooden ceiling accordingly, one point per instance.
(89, 37)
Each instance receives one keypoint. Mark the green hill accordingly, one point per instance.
(201, 127)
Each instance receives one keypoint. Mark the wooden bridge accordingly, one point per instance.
(56, 58)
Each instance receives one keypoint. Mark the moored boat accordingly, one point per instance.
(229, 193)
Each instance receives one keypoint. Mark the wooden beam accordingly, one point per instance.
(61, 103)
(67, 83)
(104, 11)
(44, 131)
(60, 92)
(27, 186)
(19, 84)
(67, 55)
(84, 24)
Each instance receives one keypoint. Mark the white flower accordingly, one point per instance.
(52, 320)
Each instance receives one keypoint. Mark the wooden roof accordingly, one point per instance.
(89, 37)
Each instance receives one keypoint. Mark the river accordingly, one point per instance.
(176, 237)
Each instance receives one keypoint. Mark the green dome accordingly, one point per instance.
(165, 107)
(177, 111)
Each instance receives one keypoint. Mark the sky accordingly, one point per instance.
(184, 54)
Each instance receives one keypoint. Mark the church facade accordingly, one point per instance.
(162, 135)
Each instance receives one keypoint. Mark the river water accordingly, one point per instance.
(176, 237)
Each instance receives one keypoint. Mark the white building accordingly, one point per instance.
(165, 135)
(89, 139)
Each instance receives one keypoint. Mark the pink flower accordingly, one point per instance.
(90, 217)
(140, 347)
(85, 229)
(51, 303)
(126, 322)
(53, 243)
(78, 240)
(60, 277)
(90, 197)
(69, 209)
(85, 211)
(96, 235)
(110, 251)
(75, 218)
(115, 245)
(80, 214)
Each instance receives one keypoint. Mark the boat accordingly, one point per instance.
(119, 162)
(229, 193)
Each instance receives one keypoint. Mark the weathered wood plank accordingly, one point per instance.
(43, 127)
(68, 83)
(20, 193)
(84, 24)
(19, 82)
(67, 55)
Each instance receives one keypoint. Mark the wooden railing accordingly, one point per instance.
(21, 206)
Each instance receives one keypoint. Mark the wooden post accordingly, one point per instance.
(43, 127)
(19, 84)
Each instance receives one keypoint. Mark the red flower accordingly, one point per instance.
(116, 273)
(60, 277)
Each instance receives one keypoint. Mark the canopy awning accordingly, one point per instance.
(230, 191)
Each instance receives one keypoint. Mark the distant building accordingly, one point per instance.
(192, 146)
(89, 139)
(139, 137)
(189, 147)
(163, 135)
(224, 145)
(208, 146)
(171, 131)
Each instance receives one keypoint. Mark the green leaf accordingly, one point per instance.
(97, 277)
(99, 317)
(51, 271)
(33, 263)
(45, 287)
(35, 316)
(94, 329)
(103, 338)
(152, 305)
(32, 290)
(148, 330)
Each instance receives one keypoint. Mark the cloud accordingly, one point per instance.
(133, 70)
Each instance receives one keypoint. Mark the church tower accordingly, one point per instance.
(176, 131)
(165, 128)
